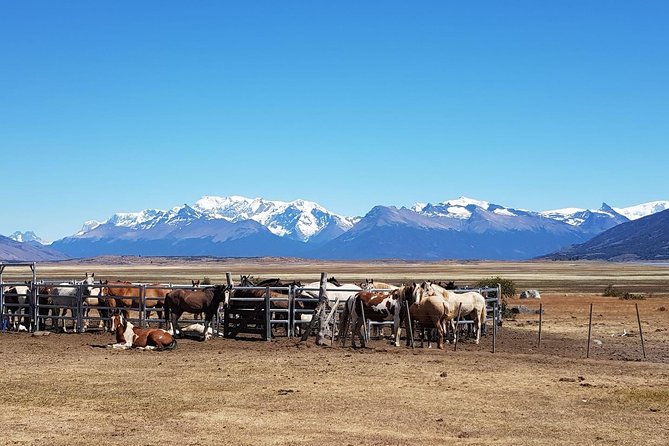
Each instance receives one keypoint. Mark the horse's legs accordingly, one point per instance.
(207, 321)
(175, 319)
(480, 319)
(159, 313)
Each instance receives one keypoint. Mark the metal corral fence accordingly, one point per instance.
(290, 307)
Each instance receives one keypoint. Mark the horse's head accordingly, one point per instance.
(119, 319)
(222, 294)
(423, 290)
(88, 280)
(245, 281)
(196, 283)
(367, 285)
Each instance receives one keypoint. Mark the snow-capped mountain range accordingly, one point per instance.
(241, 226)
(298, 220)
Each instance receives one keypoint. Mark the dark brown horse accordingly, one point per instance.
(202, 300)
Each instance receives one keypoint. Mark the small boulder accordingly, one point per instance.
(520, 309)
(530, 294)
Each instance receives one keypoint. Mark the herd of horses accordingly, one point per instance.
(429, 305)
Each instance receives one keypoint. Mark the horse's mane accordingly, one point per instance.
(406, 293)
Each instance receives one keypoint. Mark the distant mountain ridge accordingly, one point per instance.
(645, 238)
(239, 226)
(13, 251)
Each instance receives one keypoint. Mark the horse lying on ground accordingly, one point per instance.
(129, 336)
(202, 300)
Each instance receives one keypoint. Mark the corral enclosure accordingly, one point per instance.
(70, 389)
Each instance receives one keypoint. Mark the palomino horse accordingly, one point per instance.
(202, 300)
(65, 296)
(427, 307)
(128, 336)
(376, 307)
(369, 285)
(473, 305)
(125, 295)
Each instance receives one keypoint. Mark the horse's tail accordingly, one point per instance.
(343, 322)
(172, 345)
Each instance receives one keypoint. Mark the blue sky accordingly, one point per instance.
(119, 106)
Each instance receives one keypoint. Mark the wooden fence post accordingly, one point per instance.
(541, 313)
(319, 312)
(268, 315)
(587, 354)
(638, 319)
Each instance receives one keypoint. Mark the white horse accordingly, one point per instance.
(94, 299)
(65, 297)
(473, 304)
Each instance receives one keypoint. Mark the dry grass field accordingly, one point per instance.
(66, 389)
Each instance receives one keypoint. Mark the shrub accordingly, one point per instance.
(632, 296)
(206, 281)
(610, 291)
(508, 290)
(508, 286)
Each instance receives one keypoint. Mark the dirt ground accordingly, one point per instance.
(69, 389)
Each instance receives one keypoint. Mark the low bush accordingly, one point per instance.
(632, 296)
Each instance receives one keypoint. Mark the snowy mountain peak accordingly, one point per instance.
(460, 208)
(464, 202)
(643, 210)
(27, 237)
(88, 226)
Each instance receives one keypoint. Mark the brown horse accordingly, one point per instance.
(128, 336)
(124, 295)
(202, 300)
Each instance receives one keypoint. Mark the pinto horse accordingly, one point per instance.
(365, 305)
(128, 336)
(202, 300)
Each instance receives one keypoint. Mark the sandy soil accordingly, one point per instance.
(70, 390)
